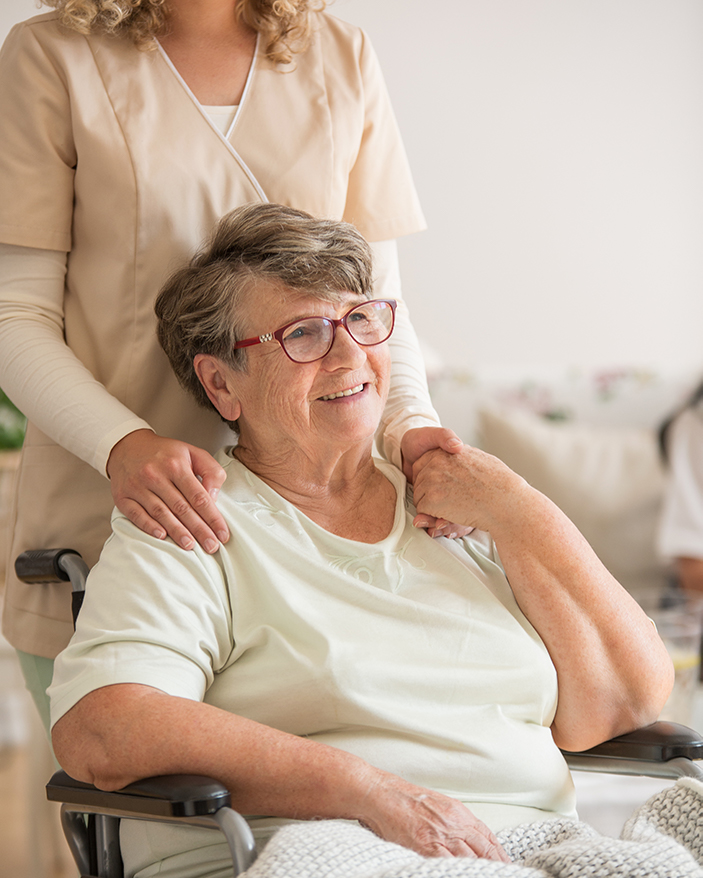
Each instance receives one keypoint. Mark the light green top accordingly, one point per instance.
(411, 652)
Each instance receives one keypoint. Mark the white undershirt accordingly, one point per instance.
(222, 117)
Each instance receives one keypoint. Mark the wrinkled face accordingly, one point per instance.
(332, 403)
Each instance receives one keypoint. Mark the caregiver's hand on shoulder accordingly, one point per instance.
(168, 488)
(471, 487)
(413, 445)
(429, 823)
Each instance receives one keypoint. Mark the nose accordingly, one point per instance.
(345, 352)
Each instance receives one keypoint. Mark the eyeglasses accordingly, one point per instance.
(305, 341)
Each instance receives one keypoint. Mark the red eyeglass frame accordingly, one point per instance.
(335, 322)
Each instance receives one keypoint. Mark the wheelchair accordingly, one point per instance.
(90, 817)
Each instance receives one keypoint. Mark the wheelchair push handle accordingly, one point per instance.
(48, 565)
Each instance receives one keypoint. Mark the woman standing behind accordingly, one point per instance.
(129, 128)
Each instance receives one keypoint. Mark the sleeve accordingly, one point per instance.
(37, 153)
(153, 615)
(40, 373)
(681, 525)
(381, 198)
(409, 403)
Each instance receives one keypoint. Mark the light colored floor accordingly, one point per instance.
(41, 852)
(31, 841)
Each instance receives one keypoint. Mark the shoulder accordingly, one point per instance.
(343, 42)
(39, 47)
(241, 488)
(690, 421)
(45, 35)
(45, 29)
(686, 435)
(47, 21)
(393, 474)
(335, 30)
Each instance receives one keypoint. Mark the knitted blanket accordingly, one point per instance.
(662, 839)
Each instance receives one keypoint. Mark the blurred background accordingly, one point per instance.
(556, 147)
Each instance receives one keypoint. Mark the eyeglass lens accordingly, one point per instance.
(368, 324)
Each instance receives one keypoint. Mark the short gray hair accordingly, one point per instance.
(198, 309)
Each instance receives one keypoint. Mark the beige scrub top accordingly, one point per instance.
(105, 153)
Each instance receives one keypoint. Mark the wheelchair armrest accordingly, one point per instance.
(658, 742)
(169, 796)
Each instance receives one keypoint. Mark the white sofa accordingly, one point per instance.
(587, 439)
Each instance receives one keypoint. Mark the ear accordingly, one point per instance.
(216, 378)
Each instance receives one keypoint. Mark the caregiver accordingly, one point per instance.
(128, 129)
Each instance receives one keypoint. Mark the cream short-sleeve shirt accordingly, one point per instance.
(411, 652)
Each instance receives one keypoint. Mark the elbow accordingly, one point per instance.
(649, 693)
(626, 709)
(661, 686)
(83, 756)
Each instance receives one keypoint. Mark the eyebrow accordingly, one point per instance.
(353, 300)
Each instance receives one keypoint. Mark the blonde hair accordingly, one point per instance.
(285, 25)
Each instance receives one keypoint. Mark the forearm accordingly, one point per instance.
(613, 671)
(40, 373)
(122, 733)
(126, 732)
(690, 573)
(409, 404)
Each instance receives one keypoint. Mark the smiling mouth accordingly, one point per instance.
(351, 392)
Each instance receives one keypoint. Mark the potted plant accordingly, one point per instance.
(12, 427)
(12, 424)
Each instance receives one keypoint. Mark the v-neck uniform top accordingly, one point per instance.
(105, 153)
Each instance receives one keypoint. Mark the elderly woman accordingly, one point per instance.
(340, 663)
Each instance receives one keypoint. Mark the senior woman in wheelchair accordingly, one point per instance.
(335, 661)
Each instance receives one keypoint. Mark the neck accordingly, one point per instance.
(195, 20)
(344, 492)
(211, 49)
(293, 470)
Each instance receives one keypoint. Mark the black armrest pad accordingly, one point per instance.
(179, 795)
(659, 742)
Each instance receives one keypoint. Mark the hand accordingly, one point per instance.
(413, 445)
(429, 823)
(471, 487)
(168, 488)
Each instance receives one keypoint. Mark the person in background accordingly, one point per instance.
(681, 525)
(129, 128)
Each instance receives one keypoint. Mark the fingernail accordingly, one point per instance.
(187, 542)
(214, 493)
(211, 546)
(455, 441)
(159, 534)
(222, 536)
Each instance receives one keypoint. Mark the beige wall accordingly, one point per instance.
(557, 149)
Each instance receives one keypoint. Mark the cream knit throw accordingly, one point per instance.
(663, 838)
